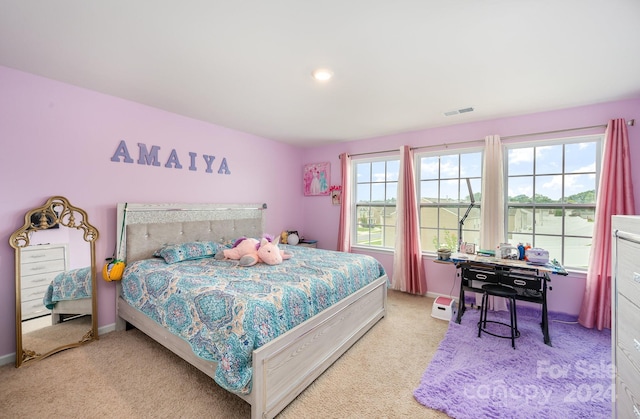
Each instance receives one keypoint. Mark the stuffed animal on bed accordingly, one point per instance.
(251, 251)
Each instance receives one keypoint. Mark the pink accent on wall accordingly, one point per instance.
(58, 139)
(321, 218)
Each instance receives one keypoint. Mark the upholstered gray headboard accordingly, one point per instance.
(144, 228)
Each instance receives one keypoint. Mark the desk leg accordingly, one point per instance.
(545, 319)
(545, 325)
(461, 306)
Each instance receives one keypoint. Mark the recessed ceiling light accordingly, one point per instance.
(322, 74)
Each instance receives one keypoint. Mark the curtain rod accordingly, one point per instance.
(372, 152)
(630, 123)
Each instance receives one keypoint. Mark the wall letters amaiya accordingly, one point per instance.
(150, 158)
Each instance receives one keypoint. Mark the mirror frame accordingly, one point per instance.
(57, 211)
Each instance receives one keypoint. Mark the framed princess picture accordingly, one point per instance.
(316, 179)
(336, 196)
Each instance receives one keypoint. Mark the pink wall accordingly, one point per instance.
(58, 140)
(321, 218)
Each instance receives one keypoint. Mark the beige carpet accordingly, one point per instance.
(127, 375)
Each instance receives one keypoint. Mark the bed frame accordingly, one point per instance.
(79, 306)
(284, 367)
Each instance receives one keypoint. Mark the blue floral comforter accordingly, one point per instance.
(226, 311)
(70, 285)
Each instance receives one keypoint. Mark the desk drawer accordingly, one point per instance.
(522, 280)
(513, 278)
(477, 273)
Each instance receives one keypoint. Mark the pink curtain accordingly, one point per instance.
(408, 273)
(344, 228)
(615, 197)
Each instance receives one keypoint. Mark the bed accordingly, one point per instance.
(69, 294)
(284, 366)
(79, 307)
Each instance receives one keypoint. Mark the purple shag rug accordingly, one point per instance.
(471, 377)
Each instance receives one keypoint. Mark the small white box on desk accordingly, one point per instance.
(443, 308)
(537, 256)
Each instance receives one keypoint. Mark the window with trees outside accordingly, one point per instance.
(444, 197)
(376, 193)
(551, 196)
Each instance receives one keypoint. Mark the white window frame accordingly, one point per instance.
(565, 206)
(355, 217)
(461, 206)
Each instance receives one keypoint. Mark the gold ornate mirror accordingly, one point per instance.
(56, 298)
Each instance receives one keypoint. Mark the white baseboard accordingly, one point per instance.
(435, 295)
(8, 359)
(106, 329)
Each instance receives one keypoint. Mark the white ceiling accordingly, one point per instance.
(398, 65)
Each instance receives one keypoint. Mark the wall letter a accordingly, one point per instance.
(122, 151)
(224, 167)
(173, 160)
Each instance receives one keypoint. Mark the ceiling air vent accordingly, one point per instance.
(458, 111)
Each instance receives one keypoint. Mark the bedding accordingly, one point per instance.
(187, 251)
(73, 284)
(225, 311)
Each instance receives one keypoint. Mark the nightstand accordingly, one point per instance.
(309, 243)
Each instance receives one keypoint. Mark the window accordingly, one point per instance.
(444, 197)
(551, 196)
(376, 193)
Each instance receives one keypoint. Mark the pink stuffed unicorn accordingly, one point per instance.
(251, 251)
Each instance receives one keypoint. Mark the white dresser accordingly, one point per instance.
(38, 266)
(625, 306)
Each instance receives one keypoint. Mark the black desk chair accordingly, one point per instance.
(499, 291)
